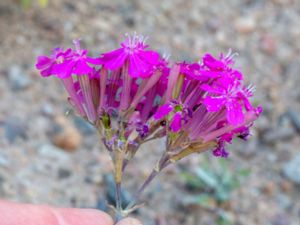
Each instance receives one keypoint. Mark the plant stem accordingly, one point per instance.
(118, 197)
(118, 181)
(163, 162)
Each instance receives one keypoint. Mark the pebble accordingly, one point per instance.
(269, 188)
(245, 25)
(66, 136)
(63, 173)
(18, 79)
(291, 169)
(14, 128)
(295, 118)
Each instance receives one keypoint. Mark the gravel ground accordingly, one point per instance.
(47, 156)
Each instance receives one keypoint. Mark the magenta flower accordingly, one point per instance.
(132, 96)
(133, 51)
(219, 67)
(78, 63)
(135, 87)
(195, 71)
(65, 63)
(228, 93)
(47, 64)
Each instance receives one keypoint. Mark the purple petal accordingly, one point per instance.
(235, 114)
(163, 111)
(220, 150)
(214, 104)
(237, 74)
(151, 57)
(46, 72)
(82, 67)
(115, 59)
(212, 63)
(137, 67)
(210, 89)
(176, 123)
(42, 62)
(63, 70)
(94, 61)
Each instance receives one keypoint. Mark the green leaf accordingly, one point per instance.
(222, 194)
(208, 178)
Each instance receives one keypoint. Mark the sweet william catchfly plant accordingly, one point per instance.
(133, 95)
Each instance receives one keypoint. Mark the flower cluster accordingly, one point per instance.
(137, 88)
(133, 95)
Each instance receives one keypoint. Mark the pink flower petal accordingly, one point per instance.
(42, 62)
(151, 57)
(114, 60)
(81, 68)
(137, 67)
(95, 61)
(235, 114)
(176, 122)
(212, 63)
(163, 111)
(214, 103)
(211, 89)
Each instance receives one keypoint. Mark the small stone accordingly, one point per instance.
(14, 128)
(295, 118)
(245, 25)
(17, 78)
(66, 135)
(292, 169)
(269, 188)
(63, 173)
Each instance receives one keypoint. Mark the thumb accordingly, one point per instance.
(129, 221)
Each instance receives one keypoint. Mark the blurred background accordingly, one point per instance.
(50, 156)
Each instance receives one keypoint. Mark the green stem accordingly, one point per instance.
(163, 162)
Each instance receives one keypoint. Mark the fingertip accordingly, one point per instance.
(83, 216)
(129, 221)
